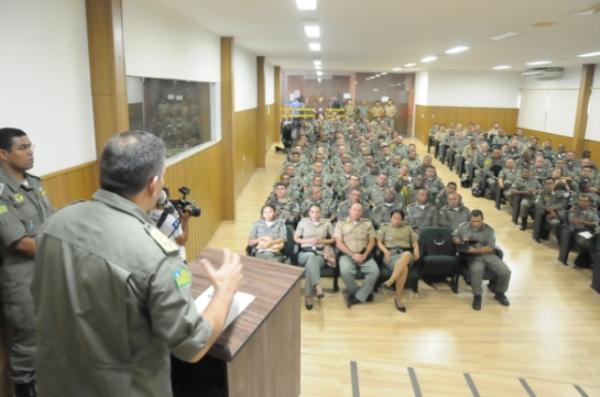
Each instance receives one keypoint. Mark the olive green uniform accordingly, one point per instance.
(276, 230)
(112, 300)
(310, 256)
(23, 209)
(422, 216)
(396, 240)
(477, 263)
(356, 236)
(453, 217)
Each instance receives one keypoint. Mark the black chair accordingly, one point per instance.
(439, 261)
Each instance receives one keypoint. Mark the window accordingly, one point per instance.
(177, 111)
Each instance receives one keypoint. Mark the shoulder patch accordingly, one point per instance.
(163, 242)
(182, 277)
(3, 209)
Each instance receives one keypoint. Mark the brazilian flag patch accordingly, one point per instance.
(182, 277)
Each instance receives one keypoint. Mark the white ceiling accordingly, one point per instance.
(378, 35)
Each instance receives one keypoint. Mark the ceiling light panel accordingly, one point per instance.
(457, 50)
(429, 58)
(501, 67)
(312, 31)
(306, 5)
(589, 54)
(315, 47)
(538, 63)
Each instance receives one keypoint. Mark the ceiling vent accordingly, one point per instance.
(548, 73)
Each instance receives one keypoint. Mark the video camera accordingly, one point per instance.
(181, 205)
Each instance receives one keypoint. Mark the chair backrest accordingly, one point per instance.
(496, 170)
(436, 241)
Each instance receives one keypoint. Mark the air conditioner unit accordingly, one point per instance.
(544, 73)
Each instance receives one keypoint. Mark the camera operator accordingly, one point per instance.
(170, 222)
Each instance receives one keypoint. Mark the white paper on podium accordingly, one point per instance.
(240, 302)
(586, 235)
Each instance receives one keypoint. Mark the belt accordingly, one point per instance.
(311, 249)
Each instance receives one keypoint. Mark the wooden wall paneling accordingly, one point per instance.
(107, 69)
(581, 115)
(261, 112)
(269, 125)
(278, 100)
(227, 103)
(554, 138)
(427, 116)
(244, 148)
(76, 183)
(203, 175)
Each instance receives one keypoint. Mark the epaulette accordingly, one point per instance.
(169, 247)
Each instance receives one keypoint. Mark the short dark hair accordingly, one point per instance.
(280, 184)
(397, 211)
(129, 160)
(476, 214)
(271, 206)
(452, 183)
(7, 135)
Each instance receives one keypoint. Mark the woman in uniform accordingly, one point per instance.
(268, 235)
(399, 245)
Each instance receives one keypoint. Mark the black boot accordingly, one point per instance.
(523, 223)
(25, 389)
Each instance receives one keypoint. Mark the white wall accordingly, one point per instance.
(550, 105)
(473, 89)
(45, 80)
(421, 88)
(244, 77)
(593, 125)
(269, 84)
(162, 44)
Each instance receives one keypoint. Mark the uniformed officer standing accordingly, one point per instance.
(112, 296)
(355, 239)
(23, 208)
(400, 247)
(313, 234)
(478, 242)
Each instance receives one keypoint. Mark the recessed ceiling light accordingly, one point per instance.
(589, 54)
(397, 69)
(306, 5)
(544, 24)
(409, 65)
(319, 73)
(505, 35)
(501, 67)
(315, 47)
(312, 31)
(383, 73)
(319, 79)
(456, 50)
(429, 58)
(375, 89)
(318, 67)
(317, 62)
(537, 63)
(589, 11)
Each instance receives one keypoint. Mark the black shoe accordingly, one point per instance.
(25, 389)
(309, 306)
(476, 302)
(370, 298)
(398, 307)
(500, 297)
(351, 301)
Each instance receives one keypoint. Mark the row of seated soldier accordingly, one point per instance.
(355, 200)
(547, 185)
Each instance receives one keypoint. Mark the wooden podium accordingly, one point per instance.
(259, 353)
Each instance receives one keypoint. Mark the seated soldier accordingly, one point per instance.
(287, 209)
(507, 177)
(382, 211)
(328, 205)
(454, 213)
(400, 247)
(355, 239)
(422, 213)
(412, 162)
(410, 191)
(487, 179)
(354, 196)
(433, 183)
(477, 241)
(313, 234)
(468, 155)
(401, 179)
(580, 231)
(442, 198)
(268, 235)
(425, 164)
(377, 191)
(523, 193)
(550, 206)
